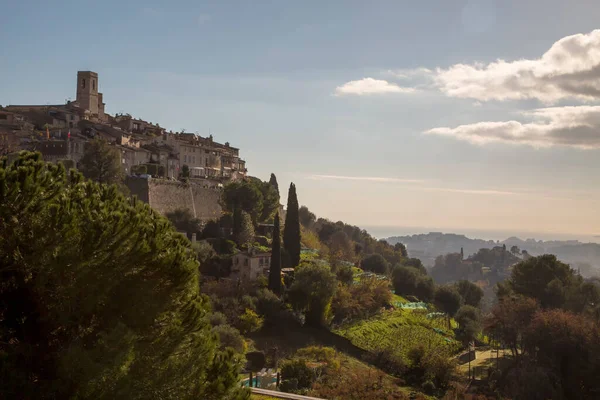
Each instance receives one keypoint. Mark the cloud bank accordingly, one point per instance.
(569, 69)
(367, 86)
(577, 127)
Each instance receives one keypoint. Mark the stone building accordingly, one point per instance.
(88, 97)
(249, 265)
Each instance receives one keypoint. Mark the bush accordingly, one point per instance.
(345, 274)
(428, 387)
(217, 318)
(375, 263)
(296, 371)
(249, 321)
(230, 337)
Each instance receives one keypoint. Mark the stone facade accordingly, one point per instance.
(166, 196)
(249, 265)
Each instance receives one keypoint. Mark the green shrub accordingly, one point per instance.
(298, 372)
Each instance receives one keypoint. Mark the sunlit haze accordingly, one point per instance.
(384, 114)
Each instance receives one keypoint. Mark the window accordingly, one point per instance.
(83, 83)
(184, 158)
(3, 116)
(246, 262)
(93, 84)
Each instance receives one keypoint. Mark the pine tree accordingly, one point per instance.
(275, 270)
(273, 182)
(291, 230)
(99, 295)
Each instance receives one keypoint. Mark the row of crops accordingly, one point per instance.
(400, 331)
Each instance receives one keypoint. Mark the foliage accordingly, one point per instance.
(361, 300)
(425, 289)
(270, 199)
(469, 321)
(185, 171)
(307, 218)
(312, 291)
(415, 263)
(217, 318)
(273, 182)
(356, 381)
(545, 279)
(375, 263)
(183, 220)
(99, 295)
(101, 162)
(509, 319)
(448, 300)
(257, 198)
(298, 372)
(250, 321)
(470, 292)
(275, 267)
(405, 280)
(230, 337)
(569, 346)
(345, 274)
(291, 230)
(243, 230)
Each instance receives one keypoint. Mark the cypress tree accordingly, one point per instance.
(273, 182)
(275, 270)
(291, 231)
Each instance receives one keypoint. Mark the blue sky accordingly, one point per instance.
(369, 107)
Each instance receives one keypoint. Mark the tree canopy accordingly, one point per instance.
(313, 288)
(259, 199)
(101, 162)
(99, 295)
(375, 263)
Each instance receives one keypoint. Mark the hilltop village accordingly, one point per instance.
(61, 132)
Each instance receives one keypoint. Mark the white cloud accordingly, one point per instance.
(368, 86)
(569, 69)
(364, 178)
(577, 127)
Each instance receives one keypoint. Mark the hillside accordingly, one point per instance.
(585, 256)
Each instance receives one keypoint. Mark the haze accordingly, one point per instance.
(480, 115)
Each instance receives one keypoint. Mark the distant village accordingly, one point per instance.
(60, 132)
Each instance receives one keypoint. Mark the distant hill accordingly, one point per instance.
(585, 256)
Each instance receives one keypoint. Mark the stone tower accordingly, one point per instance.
(87, 91)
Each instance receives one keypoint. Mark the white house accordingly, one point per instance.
(250, 264)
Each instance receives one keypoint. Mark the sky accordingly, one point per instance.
(446, 115)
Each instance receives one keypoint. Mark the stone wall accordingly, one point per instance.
(166, 196)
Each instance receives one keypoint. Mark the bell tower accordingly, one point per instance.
(87, 91)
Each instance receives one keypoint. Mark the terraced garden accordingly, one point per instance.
(400, 331)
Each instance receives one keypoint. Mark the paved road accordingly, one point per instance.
(282, 395)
